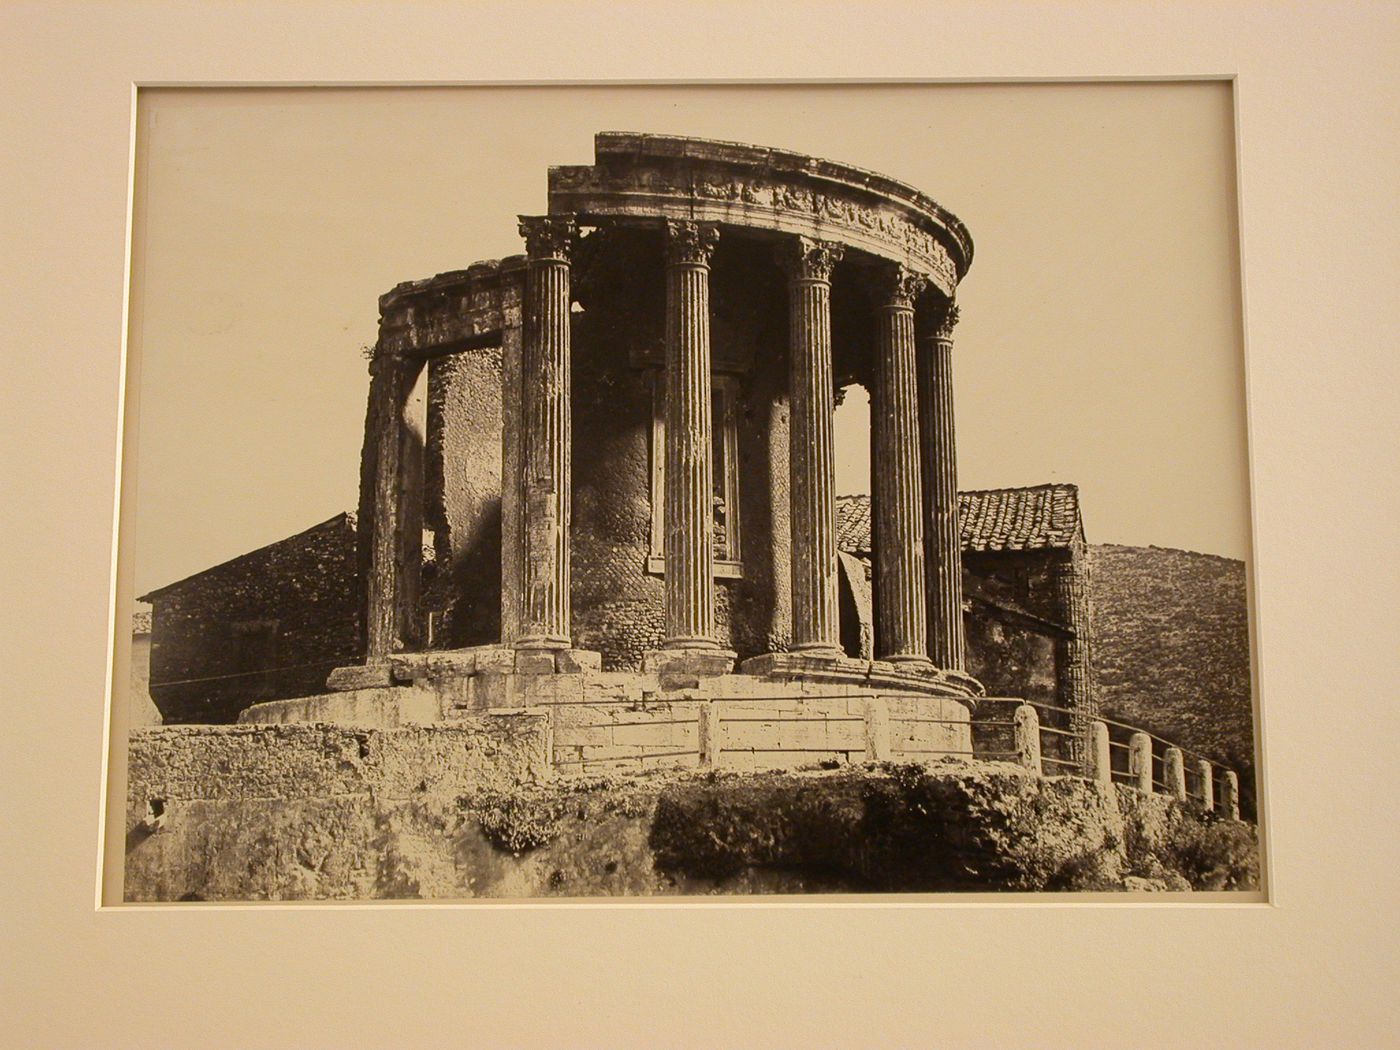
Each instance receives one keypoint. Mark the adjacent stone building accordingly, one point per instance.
(268, 624)
(1026, 613)
(627, 473)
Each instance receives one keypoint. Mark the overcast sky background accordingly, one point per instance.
(1100, 334)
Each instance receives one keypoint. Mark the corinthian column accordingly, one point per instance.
(942, 543)
(689, 513)
(812, 457)
(545, 456)
(901, 624)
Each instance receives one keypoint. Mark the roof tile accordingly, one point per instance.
(1037, 518)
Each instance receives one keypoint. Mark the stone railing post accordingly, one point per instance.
(709, 735)
(546, 451)
(1099, 753)
(1206, 775)
(1174, 773)
(947, 647)
(901, 614)
(1027, 737)
(1140, 761)
(877, 729)
(812, 453)
(1230, 795)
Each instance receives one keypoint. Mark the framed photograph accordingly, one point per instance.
(965, 609)
(630, 505)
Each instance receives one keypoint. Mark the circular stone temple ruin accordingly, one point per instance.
(628, 465)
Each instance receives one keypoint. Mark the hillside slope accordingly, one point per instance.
(1171, 649)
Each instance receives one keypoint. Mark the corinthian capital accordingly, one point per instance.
(947, 320)
(899, 286)
(690, 242)
(806, 259)
(548, 236)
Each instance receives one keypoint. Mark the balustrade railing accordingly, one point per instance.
(1115, 752)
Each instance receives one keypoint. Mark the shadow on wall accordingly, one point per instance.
(469, 592)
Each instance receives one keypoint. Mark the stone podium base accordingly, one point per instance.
(402, 668)
(827, 668)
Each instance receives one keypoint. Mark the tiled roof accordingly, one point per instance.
(1037, 518)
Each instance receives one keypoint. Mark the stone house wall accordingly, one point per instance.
(269, 624)
(1011, 659)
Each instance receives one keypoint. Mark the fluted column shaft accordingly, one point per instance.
(812, 453)
(901, 621)
(689, 512)
(396, 542)
(947, 647)
(547, 504)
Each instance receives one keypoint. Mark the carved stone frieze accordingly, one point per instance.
(645, 186)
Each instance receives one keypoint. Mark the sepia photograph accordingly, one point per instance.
(649, 491)
(631, 525)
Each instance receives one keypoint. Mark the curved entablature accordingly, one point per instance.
(657, 177)
(452, 311)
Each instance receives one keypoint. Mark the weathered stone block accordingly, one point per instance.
(570, 736)
(370, 676)
(494, 659)
(789, 665)
(452, 663)
(534, 661)
(646, 735)
(406, 667)
(381, 708)
(493, 690)
(578, 661)
(675, 664)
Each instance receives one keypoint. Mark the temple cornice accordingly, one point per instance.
(657, 178)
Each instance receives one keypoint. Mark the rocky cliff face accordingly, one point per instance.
(319, 812)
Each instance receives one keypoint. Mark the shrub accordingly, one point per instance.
(516, 823)
(1215, 855)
